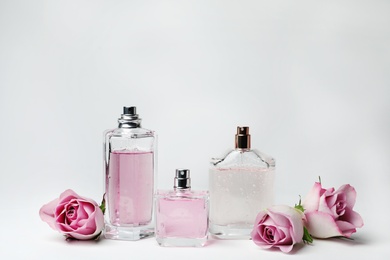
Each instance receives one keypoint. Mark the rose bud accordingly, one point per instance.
(278, 226)
(74, 216)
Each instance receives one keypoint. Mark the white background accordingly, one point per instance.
(310, 78)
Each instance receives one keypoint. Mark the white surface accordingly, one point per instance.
(311, 79)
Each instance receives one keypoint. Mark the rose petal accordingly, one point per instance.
(92, 224)
(256, 237)
(60, 209)
(331, 199)
(81, 213)
(83, 222)
(283, 236)
(46, 213)
(350, 194)
(285, 248)
(88, 207)
(256, 234)
(278, 218)
(311, 201)
(84, 233)
(267, 233)
(280, 234)
(326, 198)
(346, 228)
(68, 193)
(340, 205)
(66, 200)
(71, 213)
(97, 226)
(74, 224)
(64, 227)
(261, 217)
(61, 217)
(295, 220)
(352, 217)
(322, 225)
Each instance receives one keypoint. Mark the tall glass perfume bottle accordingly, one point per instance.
(130, 174)
(241, 184)
(182, 214)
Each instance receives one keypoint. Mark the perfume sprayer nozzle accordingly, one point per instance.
(129, 118)
(129, 110)
(182, 179)
(243, 138)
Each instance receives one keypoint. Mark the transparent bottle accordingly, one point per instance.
(130, 178)
(182, 214)
(241, 184)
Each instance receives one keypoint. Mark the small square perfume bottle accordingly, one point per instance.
(182, 215)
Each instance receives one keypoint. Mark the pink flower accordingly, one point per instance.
(329, 213)
(74, 216)
(278, 226)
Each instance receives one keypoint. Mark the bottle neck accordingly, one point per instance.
(127, 121)
(243, 150)
(182, 190)
(130, 124)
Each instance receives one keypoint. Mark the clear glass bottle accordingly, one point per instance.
(182, 214)
(130, 175)
(241, 184)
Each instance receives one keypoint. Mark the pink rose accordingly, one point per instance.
(329, 213)
(74, 216)
(278, 226)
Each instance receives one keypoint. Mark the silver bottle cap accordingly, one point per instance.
(182, 179)
(129, 118)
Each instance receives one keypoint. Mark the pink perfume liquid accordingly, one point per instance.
(182, 217)
(130, 188)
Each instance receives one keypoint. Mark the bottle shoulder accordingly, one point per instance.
(244, 158)
(129, 133)
(182, 194)
(131, 139)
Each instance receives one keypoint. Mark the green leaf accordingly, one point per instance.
(306, 236)
(299, 206)
(103, 205)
